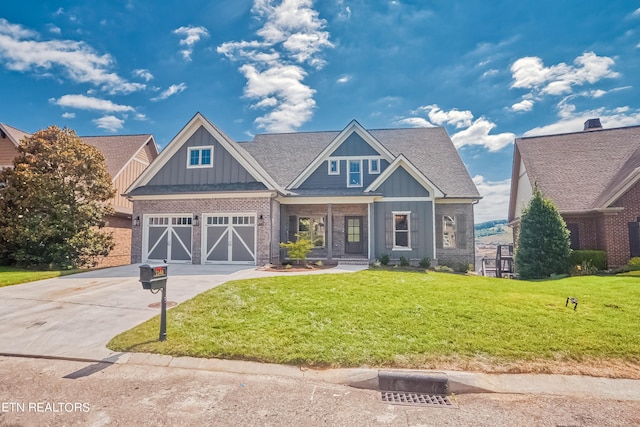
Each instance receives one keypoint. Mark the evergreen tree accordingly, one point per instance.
(53, 201)
(543, 246)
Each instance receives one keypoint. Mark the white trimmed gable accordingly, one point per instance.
(350, 129)
(402, 162)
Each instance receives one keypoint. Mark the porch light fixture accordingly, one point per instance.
(136, 221)
(196, 221)
(260, 219)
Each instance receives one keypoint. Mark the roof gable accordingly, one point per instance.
(402, 163)
(120, 150)
(356, 138)
(183, 138)
(13, 134)
(579, 171)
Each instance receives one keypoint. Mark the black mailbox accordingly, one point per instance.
(153, 276)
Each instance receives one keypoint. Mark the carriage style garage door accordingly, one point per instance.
(167, 237)
(229, 238)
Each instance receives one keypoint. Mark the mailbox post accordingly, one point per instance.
(154, 278)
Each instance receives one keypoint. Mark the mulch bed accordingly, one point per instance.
(299, 267)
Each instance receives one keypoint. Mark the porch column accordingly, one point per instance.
(370, 230)
(329, 228)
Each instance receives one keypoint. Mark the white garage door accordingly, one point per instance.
(167, 237)
(229, 238)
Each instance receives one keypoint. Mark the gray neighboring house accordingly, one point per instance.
(356, 194)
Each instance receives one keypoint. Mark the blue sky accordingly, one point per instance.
(487, 71)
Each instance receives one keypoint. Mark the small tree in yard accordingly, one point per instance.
(299, 249)
(543, 246)
(53, 201)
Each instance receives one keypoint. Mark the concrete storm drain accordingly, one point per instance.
(415, 388)
(416, 399)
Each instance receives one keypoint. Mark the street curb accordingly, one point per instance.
(413, 381)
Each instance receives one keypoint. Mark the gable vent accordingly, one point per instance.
(592, 124)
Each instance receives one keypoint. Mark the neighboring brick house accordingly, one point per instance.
(356, 194)
(126, 156)
(593, 178)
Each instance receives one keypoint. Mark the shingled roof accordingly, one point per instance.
(117, 150)
(284, 156)
(581, 171)
(13, 133)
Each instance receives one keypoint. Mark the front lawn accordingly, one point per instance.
(14, 276)
(410, 320)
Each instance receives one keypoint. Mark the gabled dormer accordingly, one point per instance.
(403, 179)
(353, 160)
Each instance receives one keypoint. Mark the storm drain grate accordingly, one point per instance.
(416, 399)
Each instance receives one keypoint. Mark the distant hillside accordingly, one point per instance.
(491, 228)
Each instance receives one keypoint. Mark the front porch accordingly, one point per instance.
(340, 232)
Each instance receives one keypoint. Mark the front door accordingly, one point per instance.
(353, 233)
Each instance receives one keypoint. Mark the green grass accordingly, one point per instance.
(14, 276)
(401, 319)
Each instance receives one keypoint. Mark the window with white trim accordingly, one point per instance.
(334, 167)
(354, 175)
(313, 229)
(200, 157)
(401, 230)
(449, 231)
(374, 166)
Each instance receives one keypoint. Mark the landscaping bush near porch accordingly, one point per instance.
(406, 319)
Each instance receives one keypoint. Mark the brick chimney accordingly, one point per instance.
(592, 124)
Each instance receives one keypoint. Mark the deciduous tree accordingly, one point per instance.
(53, 203)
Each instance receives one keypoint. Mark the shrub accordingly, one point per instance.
(634, 263)
(443, 269)
(597, 259)
(299, 249)
(384, 259)
(425, 262)
(404, 261)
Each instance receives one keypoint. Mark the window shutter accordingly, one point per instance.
(413, 223)
(461, 231)
(574, 237)
(634, 238)
(293, 228)
(388, 230)
(439, 220)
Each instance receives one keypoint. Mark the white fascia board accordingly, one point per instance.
(447, 201)
(631, 180)
(353, 126)
(326, 200)
(211, 195)
(402, 161)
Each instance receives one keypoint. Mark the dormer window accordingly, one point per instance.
(354, 177)
(334, 167)
(374, 166)
(200, 157)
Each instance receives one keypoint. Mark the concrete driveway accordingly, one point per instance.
(76, 316)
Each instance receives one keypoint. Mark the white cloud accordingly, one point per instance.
(292, 35)
(68, 115)
(524, 105)
(110, 123)
(54, 29)
(143, 74)
(344, 79)
(457, 118)
(530, 73)
(636, 12)
(416, 122)
(573, 121)
(170, 91)
(83, 102)
(21, 51)
(495, 199)
(191, 35)
(478, 134)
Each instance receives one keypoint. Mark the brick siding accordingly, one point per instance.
(452, 256)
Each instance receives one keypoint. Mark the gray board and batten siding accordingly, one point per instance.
(421, 229)
(226, 169)
(320, 178)
(354, 145)
(402, 184)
